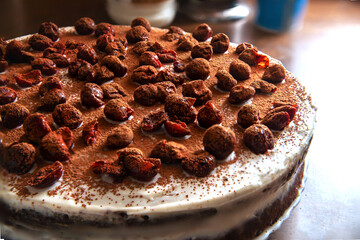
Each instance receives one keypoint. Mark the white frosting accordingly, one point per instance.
(245, 181)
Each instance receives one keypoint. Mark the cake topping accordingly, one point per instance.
(146, 94)
(209, 115)
(242, 46)
(47, 176)
(279, 117)
(247, 116)
(87, 53)
(136, 34)
(50, 30)
(263, 86)
(92, 95)
(51, 99)
(166, 56)
(186, 43)
(174, 33)
(3, 79)
(117, 110)
(85, 26)
(225, 80)
(248, 55)
(258, 138)
(18, 158)
(36, 127)
(46, 66)
(220, 43)
(55, 145)
(3, 66)
(100, 75)
(104, 40)
(177, 128)
(164, 89)
(240, 70)
(115, 65)
(7, 95)
(15, 53)
(202, 32)
(13, 114)
(153, 121)
(67, 115)
(59, 59)
(240, 94)
(144, 74)
(150, 58)
(120, 137)
(274, 73)
(198, 68)
(140, 168)
(112, 169)
(180, 108)
(40, 42)
(179, 66)
(113, 90)
(202, 50)
(90, 132)
(28, 79)
(200, 164)
(198, 90)
(104, 28)
(169, 152)
(219, 141)
(167, 75)
(141, 22)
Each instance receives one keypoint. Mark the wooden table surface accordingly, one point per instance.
(324, 55)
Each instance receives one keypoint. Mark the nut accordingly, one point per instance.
(180, 108)
(202, 32)
(55, 147)
(92, 96)
(104, 40)
(149, 58)
(179, 66)
(209, 115)
(87, 53)
(46, 66)
(164, 89)
(104, 28)
(279, 117)
(169, 152)
(47, 176)
(225, 80)
(91, 132)
(113, 90)
(174, 33)
(239, 70)
(242, 46)
(219, 141)
(115, 65)
(50, 30)
(13, 115)
(121, 137)
(220, 43)
(263, 86)
(153, 121)
(240, 94)
(51, 99)
(198, 68)
(248, 55)
(199, 164)
(202, 50)
(67, 115)
(186, 43)
(14, 52)
(247, 116)
(59, 59)
(49, 84)
(136, 34)
(258, 138)
(36, 127)
(167, 76)
(114, 170)
(117, 110)
(7, 95)
(274, 73)
(166, 56)
(18, 158)
(141, 22)
(40, 42)
(144, 74)
(146, 94)
(85, 26)
(125, 152)
(140, 168)
(198, 90)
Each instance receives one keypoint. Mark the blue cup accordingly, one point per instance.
(280, 15)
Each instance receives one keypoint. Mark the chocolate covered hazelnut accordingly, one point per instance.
(46, 66)
(242, 46)
(115, 65)
(209, 115)
(219, 141)
(104, 28)
(225, 81)
(198, 68)
(136, 34)
(202, 50)
(92, 95)
(202, 32)
(117, 110)
(247, 115)
(248, 55)
(36, 127)
(87, 53)
(186, 43)
(198, 90)
(220, 43)
(85, 26)
(59, 59)
(51, 99)
(50, 30)
(169, 152)
(180, 108)
(13, 114)
(258, 138)
(141, 22)
(67, 115)
(40, 42)
(7, 95)
(200, 164)
(120, 137)
(263, 86)
(18, 158)
(239, 70)
(144, 74)
(146, 94)
(113, 90)
(274, 73)
(240, 94)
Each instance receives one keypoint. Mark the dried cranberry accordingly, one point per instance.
(54, 148)
(262, 60)
(28, 79)
(18, 158)
(85, 26)
(91, 132)
(87, 53)
(164, 90)
(146, 94)
(166, 56)
(150, 58)
(180, 108)
(120, 137)
(202, 50)
(198, 68)
(40, 42)
(276, 121)
(46, 66)
(199, 164)
(202, 32)
(219, 141)
(67, 115)
(274, 73)
(115, 65)
(198, 90)
(51, 99)
(47, 176)
(92, 95)
(209, 115)
(144, 74)
(153, 121)
(240, 70)
(36, 127)
(177, 128)
(136, 34)
(140, 168)
(50, 30)
(186, 43)
(7, 95)
(66, 135)
(104, 28)
(141, 22)
(169, 152)
(258, 138)
(13, 115)
(114, 170)
(117, 110)
(289, 108)
(247, 115)
(240, 94)
(263, 86)
(220, 43)
(113, 90)
(179, 66)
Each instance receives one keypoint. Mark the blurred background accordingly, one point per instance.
(317, 40)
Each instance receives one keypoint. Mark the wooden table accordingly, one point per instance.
(324, 54)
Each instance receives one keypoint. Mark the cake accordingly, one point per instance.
(134, 132)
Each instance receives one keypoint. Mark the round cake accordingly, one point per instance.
(134, 132)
